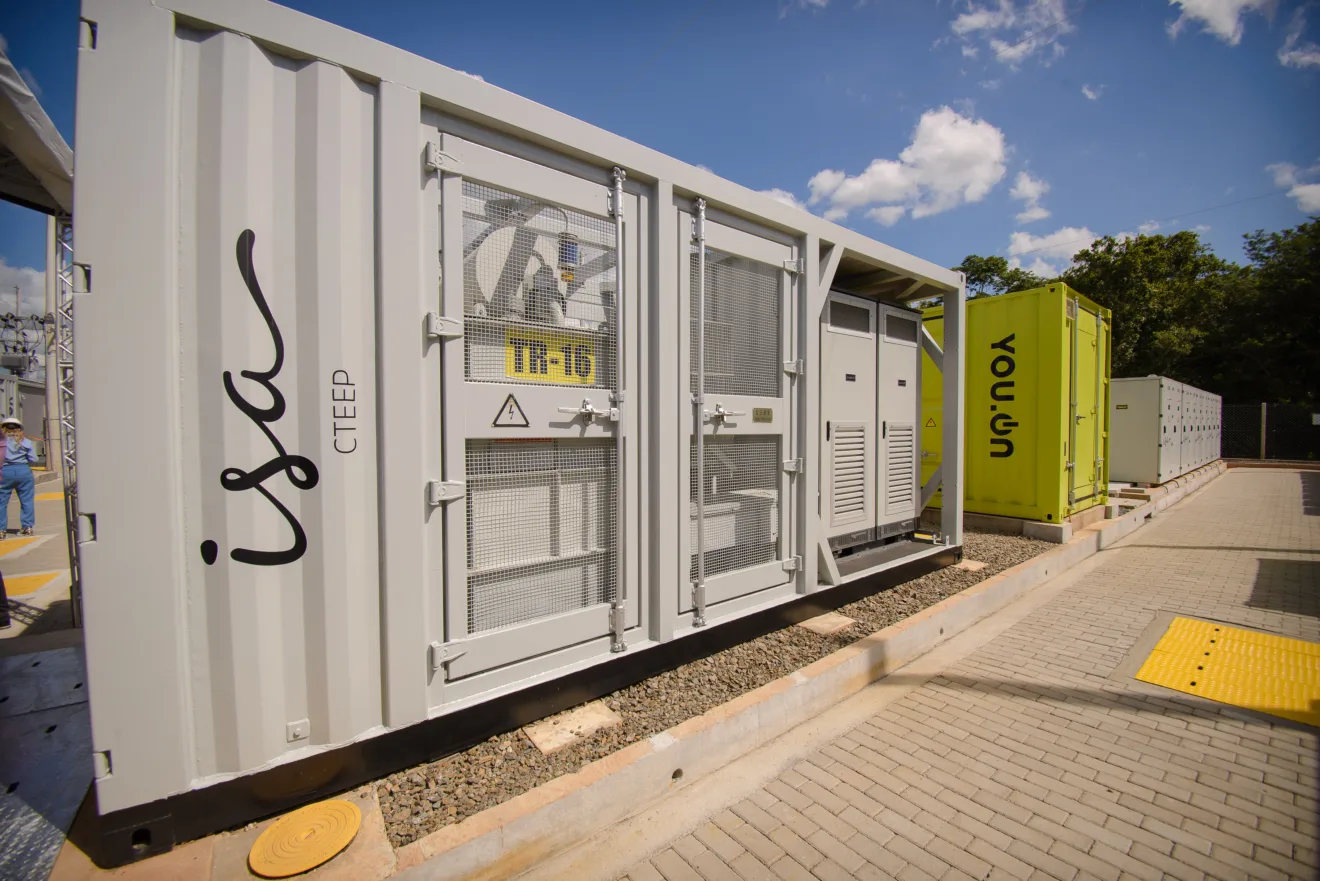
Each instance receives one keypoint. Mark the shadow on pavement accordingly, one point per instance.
(1142, 698)
(1310, 493)
(1222, 548)
(1290, 586)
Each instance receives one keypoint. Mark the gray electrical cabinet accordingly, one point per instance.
(870, 403)
(1160, 429)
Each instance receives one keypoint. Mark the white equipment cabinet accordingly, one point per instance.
(1160, 429)
(870, 398)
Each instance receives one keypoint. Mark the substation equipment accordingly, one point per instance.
(452, 410)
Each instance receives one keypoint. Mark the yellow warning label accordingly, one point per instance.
(1258, 671)
(930, 423)
(549, 356)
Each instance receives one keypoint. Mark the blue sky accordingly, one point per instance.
(1013, 127)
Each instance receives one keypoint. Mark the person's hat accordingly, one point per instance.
(11, 420)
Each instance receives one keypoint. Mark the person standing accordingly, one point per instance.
(16, 476)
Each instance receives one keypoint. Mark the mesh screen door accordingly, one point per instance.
(536, 547)
(739, 499)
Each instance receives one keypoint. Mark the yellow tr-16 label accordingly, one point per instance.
(552, 356)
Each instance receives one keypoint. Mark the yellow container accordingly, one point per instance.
(1037, 417)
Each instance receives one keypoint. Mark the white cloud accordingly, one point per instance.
(1050, 251)
(31, 285)
(478, 77)
(786, 8)
(1293, 55)
(983, 18)
(1223, 18)
(1029, 191)
(1015, 32)
(1148, 227)
(1200, 228)
(783, 196)
(969, 51)
(1093, 94)
(990, 85)
(1307, 196)
(952, 159)
(1040, 267)
(887, 215)
(1288, 175)
(1285, 173)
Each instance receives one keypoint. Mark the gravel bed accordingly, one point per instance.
(421, 799)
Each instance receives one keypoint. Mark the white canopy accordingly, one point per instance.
(36, 166)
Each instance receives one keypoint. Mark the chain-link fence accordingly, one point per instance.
(1271, 431)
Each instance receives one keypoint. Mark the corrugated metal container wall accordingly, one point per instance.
(365, 485)
(277, 173)
(1031, 453)
(273, 319)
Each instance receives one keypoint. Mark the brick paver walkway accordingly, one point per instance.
(1032, 758)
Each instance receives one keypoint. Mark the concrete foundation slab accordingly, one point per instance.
(553, 734)
(827, 624)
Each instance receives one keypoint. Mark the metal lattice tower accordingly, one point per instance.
(65, 269)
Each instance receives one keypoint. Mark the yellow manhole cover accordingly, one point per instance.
(1258, 671)
(304, 839)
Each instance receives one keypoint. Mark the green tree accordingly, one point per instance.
(1275, 321)
(1166, 294)
(988, 276)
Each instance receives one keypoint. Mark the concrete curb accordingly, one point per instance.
(510, 838)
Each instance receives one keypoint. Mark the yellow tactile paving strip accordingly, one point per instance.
(9, 545)
(49, 497)
(1258, 671)
(22, 585)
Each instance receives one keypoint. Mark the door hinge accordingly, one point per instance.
(796, 266)
(793, 466)
(441, 655)
(792, 564)
(794, 368)
(440, 491)
(443, 327)
(436, 159)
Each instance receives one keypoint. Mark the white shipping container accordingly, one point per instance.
(417, 361)
(1160, 429)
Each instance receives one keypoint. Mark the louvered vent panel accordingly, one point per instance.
(848, 480)
(900, 464)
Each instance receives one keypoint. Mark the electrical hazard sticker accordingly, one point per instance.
(511, 415)
(930, 422)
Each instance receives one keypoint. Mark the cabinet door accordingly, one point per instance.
(746, 417)
(849, 432)
(542, 543)
(898, 401)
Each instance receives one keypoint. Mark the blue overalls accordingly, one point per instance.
(17, 477)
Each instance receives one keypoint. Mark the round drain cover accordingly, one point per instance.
(304, 839)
